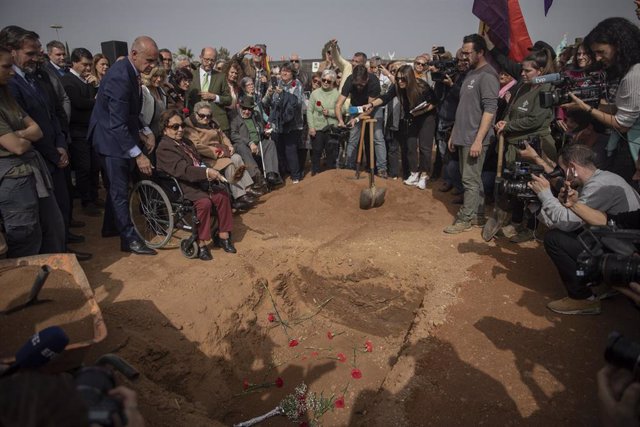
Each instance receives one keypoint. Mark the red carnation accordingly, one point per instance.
(330, 335)
(356, 373)
(368, 346)
(339, 403)
(319, 104)
(271, 317)
(342, 358)
(293, 343)
(185, 111)
(245, 384)
(293, 84)
(279, 382)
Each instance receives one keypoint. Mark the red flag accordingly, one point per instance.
(519, 40)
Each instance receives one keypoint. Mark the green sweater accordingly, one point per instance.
(315, 119)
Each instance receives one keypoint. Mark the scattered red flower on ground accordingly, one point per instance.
(279, 382)
(330, 335)
(356, 373)
(339, 403)
(342, 358)
(319, 104)
(245, 384)
(368, 346)
(271, 317)
(293, 343)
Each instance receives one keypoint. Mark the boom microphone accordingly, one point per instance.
(547, 78)
(40, 349)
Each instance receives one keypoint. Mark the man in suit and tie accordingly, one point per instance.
(56, 66)
(78, 85)
(210, 85)
(116, 132)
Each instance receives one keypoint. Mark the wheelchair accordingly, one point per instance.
(159, 212)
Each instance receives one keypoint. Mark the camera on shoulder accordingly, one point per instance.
(590, 88)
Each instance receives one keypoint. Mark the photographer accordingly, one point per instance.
(599, 190)
(615, 43)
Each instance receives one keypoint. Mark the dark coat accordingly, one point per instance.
(40, 106)
(217, 85)
(82, 96)
(115, 121)
(240, 131)
(172, 160)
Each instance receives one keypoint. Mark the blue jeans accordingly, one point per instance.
(378, 143)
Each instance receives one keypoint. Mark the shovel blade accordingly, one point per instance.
(372, 197)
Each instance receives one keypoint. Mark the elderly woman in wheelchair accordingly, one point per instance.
(179, 158)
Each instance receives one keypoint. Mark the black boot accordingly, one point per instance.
(225, 244)
(204, 254)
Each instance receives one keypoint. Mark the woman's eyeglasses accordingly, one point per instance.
(203, 116)
(422, 64)
(401, 79)
(176, 126)
(327, 81)
(316, 82)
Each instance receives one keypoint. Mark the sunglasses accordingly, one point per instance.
(204, 116)
(295, 61)
(327, 81)
(316, 81)
(176, 126)
(422, 64)
(401, 79)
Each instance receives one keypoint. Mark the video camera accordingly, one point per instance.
(616, 266)
(445, 68)
(515, 180)
(590, 88)
(93, 384)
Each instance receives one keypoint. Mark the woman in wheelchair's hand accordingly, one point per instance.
(179, 158)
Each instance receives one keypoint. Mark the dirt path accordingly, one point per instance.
(459, 330)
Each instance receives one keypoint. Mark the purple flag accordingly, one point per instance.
(494, 13)
(547, 6)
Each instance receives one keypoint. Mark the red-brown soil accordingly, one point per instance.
(460, 332)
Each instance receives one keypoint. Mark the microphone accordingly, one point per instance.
(547, 78)
(40, 349)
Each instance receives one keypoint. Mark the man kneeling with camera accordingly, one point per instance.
(600, 190)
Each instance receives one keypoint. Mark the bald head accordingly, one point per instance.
(208, 58)
(144, 54)
(295, 61)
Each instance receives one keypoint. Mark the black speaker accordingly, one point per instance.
(114, 49)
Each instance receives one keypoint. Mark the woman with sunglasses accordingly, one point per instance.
(417, 122)
(320, 115)
(218, 152)
(178, 157)
(180, 82)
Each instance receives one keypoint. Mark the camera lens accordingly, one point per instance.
(622, 352)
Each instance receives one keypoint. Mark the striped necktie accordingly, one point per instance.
(205, 83)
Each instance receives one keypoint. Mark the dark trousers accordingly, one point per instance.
(563, 248)
(323, 142)
(61, 192)
(219, 199)
(287, 145)
(419, 143)
(86, 165)
(32, 225)
(116, 211)
(393, 153)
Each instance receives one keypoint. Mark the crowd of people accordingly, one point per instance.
(230, 130)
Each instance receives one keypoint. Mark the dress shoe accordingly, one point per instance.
(74, 238)
(91, 209)
(256, 192)
(80, 256)
(225, 244)
(139, 248)
(204, 253)
(76, 224)
(248, 199)
(274, 179)
(445, 187)
(240, 205)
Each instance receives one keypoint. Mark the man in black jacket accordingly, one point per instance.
(77, 84)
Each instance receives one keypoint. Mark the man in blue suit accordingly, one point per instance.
(116, 132)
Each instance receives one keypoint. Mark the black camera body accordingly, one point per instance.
(445, 68)
(589, 89)
(608, 256)
(515, 180)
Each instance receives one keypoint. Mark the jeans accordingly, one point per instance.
(471, 171)
(563, 248)
(378, 143)
(287, 145)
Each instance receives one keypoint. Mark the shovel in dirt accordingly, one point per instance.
(361, 147)
(499, 216)
(41, 278)
(371, 197)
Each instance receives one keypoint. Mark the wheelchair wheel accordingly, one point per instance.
(151, 213)
(189, 251)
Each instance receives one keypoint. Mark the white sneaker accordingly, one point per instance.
(422, 182)
(413, 179)
(295, 181)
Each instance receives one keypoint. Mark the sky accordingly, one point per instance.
(406, 27)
